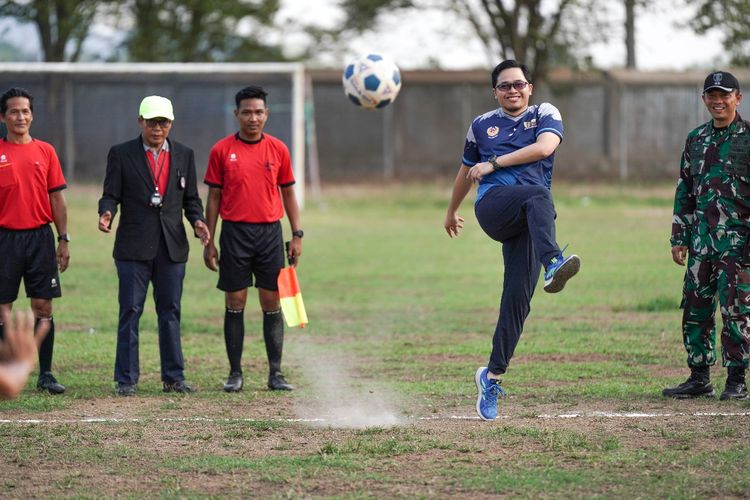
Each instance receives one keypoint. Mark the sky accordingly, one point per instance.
(431, 38)
(418, 39)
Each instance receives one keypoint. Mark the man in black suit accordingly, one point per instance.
(153, 179)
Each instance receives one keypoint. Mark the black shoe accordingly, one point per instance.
(234, 382)
(276, 382)
(48, 382)
(735, 387)
(179, 386)
(125, 389)
(697, 385)
(734, 391)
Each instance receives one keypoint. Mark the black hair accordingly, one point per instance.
(15, 92)
(510, 63)
(251, 92)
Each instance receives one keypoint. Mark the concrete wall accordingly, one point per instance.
(84, 114)
(618, 124)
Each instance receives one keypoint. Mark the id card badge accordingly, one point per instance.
(156, 199)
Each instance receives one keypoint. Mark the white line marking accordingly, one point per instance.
(604, 414)
(593, 414)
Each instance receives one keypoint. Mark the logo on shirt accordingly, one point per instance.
(53, 283)
(492, 132)
(529, 124)
(3, 158)
(232, 157)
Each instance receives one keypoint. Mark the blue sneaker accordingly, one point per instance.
(559, 270)
(488, 391)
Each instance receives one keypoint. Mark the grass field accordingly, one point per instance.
(401, 316)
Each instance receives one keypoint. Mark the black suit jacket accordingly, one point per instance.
(129, 183)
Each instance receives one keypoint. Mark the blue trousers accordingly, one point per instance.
(167, 277)
(522, 218)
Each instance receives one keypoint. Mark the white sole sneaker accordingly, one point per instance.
(569, 268)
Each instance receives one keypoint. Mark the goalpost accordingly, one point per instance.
(84, 108)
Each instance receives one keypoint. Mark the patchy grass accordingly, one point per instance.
(408, 313)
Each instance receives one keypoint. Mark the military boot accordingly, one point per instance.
(697, 385)
(735, 387)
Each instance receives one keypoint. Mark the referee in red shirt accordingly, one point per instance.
(31, 197)
(250, 177)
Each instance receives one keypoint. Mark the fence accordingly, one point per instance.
(84, 109)
(618, 124)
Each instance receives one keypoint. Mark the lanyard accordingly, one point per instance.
(160, 165)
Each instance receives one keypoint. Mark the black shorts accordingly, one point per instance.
(249, 250)
(29, 254)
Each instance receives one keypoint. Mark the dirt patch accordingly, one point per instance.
(137, 453)
(252, 446)
(578, 357)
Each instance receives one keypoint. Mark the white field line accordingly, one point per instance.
(593, 414)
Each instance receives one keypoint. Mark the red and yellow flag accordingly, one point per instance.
(291, 298)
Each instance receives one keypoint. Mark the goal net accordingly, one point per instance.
(85, 108)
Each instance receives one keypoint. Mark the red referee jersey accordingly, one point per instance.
(249, 175)
(28, 174)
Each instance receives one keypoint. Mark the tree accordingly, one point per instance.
(540, 33)
(731, 18)
(62, 24)
(630, 34)
(199, 30)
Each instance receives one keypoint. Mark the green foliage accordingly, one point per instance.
(200, 30)
(63, 24)
(361, 14)
(730, 17)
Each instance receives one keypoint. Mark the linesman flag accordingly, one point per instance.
(291, 298)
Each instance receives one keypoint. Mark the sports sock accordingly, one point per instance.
(45, 350)
(273, 335)
(234, 336)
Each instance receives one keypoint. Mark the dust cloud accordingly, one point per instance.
(335, 393)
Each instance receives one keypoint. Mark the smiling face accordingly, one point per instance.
(513, 101)
(722, 105)
(17, 118)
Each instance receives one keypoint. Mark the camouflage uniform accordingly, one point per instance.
(712, 219)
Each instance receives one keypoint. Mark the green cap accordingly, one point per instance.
(155, 106)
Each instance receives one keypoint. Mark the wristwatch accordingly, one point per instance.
(493, 161)
(299, 233)
(64, 237)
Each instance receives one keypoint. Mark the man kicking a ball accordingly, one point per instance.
(509, 151)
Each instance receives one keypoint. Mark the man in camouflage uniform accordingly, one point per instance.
(711, 225)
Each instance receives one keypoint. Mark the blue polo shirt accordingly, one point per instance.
(496, 133)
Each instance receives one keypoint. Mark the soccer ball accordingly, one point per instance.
(371, 81)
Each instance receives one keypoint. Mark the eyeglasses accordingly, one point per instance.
(505, 86)
(158, 122)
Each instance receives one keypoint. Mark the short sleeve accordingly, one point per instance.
(214, 173)
(471, 151)
(286, 174)
(550, 120)
(55, 178)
